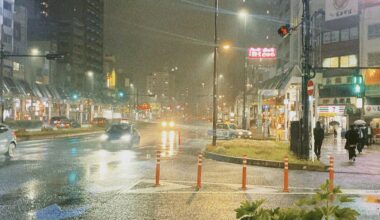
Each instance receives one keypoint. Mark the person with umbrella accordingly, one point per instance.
(352, 138)
(361, 134)
(319, 135)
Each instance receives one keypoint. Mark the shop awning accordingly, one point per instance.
(11, 86)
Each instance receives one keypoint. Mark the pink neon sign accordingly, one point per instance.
(264, 53)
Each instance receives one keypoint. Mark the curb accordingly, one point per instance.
(263, 163)
(58, 136)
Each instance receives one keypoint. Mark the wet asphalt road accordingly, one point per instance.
(85, 178)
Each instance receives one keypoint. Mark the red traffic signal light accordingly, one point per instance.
(284, 31)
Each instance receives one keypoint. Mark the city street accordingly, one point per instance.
(87, 179)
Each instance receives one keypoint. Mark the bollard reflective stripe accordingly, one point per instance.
(286, 174)
(244, 174)
(331, 174)
(158, 162)
(199, 176)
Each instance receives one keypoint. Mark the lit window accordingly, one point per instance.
(352, 61)
(344, 61)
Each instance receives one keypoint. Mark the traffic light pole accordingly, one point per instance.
(305, 142)
(215, 79)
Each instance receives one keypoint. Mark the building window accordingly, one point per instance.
(373, 59)
(348, 61)
(354, 33)
(7, 6)
(344, 34)
(7, 38)
(326, 37)
(373, 31)
(331, 62)
(334, 36)
(7, 22)
(338, 80)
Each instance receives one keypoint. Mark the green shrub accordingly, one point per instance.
(23, 124)
(322, 205)
(220, 150)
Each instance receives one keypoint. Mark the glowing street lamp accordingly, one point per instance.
(35, 51)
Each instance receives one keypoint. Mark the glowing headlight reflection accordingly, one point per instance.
(103, 137)
(164, 137)
(164, 124)
(171, 143)
(171, 124)
(126, 137)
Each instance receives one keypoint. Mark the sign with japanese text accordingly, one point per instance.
(336, 9)
(261, 53)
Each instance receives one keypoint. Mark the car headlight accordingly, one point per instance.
(171, 124)
(249, 132)
(164, 124)
(126, 137)
(240, 133)
(103, 137)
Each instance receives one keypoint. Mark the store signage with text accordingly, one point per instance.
(261, 53)
(372, 110)
(336, 9)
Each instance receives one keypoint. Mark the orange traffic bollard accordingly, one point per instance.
(286, 174)
(158, 162)
(179, 137)
(199, 177)
(244, 177)
(331, 174)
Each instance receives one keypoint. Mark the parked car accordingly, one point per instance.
(244, 134)
(122, 132)
(60, 122)
(99, 122)
(74, 124)
(224, 131)
(7, 140)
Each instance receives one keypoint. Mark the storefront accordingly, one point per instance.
(333, 117)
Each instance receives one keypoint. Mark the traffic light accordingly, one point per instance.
(358, 84)
(284, 30)
(75, 96)
(120, 94)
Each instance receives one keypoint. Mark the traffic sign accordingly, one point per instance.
(310, 88)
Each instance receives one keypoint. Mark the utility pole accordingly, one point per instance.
(305, 78)
(2, 76)
(244, 121)
(215, 79)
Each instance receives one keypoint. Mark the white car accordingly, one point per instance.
(7, 140)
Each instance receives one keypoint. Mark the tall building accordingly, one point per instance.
(7, 32)
(76, 28)
(20, 45)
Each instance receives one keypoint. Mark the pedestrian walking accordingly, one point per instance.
(352, 138)
(362, 139)
(335, 133)
(369, 135)
(319, 135)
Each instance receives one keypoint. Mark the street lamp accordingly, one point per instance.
(35, 51)
(243, 14)
(226, 46)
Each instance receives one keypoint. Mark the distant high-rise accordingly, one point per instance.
(77, 29)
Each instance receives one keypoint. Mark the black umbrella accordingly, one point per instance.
(334, 123)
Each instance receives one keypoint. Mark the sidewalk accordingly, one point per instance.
(368, 162)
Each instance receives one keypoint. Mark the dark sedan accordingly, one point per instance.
(123, 133)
